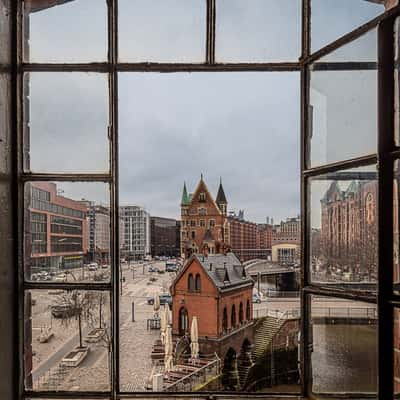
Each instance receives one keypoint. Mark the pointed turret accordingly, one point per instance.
(185, 198)
(221, 198)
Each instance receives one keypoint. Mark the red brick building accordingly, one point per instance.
(215, 289)
(206, 226)
(264, 236)
(57, 229)
(204, 223)
(348, 226)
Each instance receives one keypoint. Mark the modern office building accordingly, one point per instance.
(98, 233)
(57, 229)
(135, 223)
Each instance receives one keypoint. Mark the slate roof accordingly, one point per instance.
(221, 198)
(226, 272)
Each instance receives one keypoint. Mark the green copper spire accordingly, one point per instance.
(185, 199)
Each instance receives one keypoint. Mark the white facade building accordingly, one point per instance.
(135, 241)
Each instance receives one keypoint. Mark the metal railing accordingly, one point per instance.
(278, 293)
(320, 312)
(196, 378)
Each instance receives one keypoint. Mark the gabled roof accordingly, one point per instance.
(201, 186)
(225, 271)
(353, 188)
(333, 189)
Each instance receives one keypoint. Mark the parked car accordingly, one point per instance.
(153, 269)
(256, 298)
(171, 266)
(164, 299)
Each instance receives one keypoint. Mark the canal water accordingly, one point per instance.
(344, 358)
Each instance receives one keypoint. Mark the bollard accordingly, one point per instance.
(133, 311)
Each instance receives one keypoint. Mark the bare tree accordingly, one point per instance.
(77, 306)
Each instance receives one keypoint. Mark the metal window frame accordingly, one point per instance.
(385, 157)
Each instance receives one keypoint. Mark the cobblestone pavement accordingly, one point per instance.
(136, 341)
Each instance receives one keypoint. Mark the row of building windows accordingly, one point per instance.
(202, 223)
(65, 244)
(66, 226)
(236, 319)
(41, 205)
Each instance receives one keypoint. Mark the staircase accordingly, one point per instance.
(266, 329)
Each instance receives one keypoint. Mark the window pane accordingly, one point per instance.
(396, 224)
(331, 19)
(67, 232)
(343, 104)
(67, 340)
(251, 31)
(363, 49)
(61, 32)
(344, 345)
(343, 232)
(396, 82)
(162, 30)
(189, 127)
(5, 32)
(66, 122)
(5, 125)
(396, 351)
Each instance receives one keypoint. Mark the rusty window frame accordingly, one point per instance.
(385, 157)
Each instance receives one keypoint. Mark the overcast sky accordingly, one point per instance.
(173, 127)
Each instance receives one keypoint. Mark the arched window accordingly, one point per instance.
(183, 321)
(248, 316)
(233, 316)
(197, 283)
(225, 320)
(241, 313)
(190, 283)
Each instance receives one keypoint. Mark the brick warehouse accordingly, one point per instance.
(348, 227)
(215, 289)
(206, 225)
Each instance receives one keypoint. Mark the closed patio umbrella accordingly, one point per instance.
(156, 303)
(194, 338)
(168, 359)
(163, 322)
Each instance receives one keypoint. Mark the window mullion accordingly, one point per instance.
(210, 32)
(115, 277)
(385, 206)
